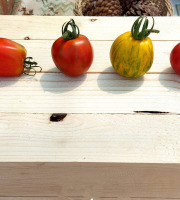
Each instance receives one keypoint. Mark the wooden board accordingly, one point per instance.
(120, 137)
(95, 28)
(90, 180)
(90, 138)
(92, 93)
(31, 198)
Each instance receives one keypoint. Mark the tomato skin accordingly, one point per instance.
(175, 58)
(12, 57)
(131, 58)
(73, 57)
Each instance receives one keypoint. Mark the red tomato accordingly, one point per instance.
(13, 60)
(175, 58)
(12, 57)
(72, 56)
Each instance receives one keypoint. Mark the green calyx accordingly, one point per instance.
(30, 66)
(67, 34)
(143, 22)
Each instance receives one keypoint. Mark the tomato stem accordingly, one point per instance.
(30, 65)
(67, 34)
(145, 32)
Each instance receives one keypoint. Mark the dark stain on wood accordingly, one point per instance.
(151, 112)
(57, 117)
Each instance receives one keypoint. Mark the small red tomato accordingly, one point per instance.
(13, 59)
(175, 58)
(72, 53)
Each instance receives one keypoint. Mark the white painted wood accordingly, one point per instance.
(40, 50)
(94, 93)
(90, 138)
(105, 28)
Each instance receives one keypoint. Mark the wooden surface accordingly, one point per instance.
(90, 138)
(129, 129)
(84, 181)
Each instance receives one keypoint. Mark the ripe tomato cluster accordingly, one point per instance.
(73, 54)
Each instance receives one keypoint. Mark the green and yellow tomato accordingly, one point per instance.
(132, 53)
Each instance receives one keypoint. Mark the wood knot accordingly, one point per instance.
(57, 117)
(27, 38)
(93, 20)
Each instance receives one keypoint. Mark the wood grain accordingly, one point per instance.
(40, 50)
(31, 198)
(102, 28)
(90, 180)
(153, 198)
(93, 93)
(90, 138)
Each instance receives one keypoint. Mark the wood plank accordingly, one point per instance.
(90, 138)
(94, 93)
(104, 28)
(153, 198)
(40, 50)
(90, 180)
(31, 198)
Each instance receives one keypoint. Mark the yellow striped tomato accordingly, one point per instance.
(132, 53)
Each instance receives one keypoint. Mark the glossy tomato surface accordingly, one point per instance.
(175, 58)
(12, 57)
(73, 57)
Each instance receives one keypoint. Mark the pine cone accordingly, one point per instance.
(139, 7)
(102, 8)
(126, 4)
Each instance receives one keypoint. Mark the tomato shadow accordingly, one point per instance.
(8, 81)
(60, 83)
(169, 79)
(116, 84)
